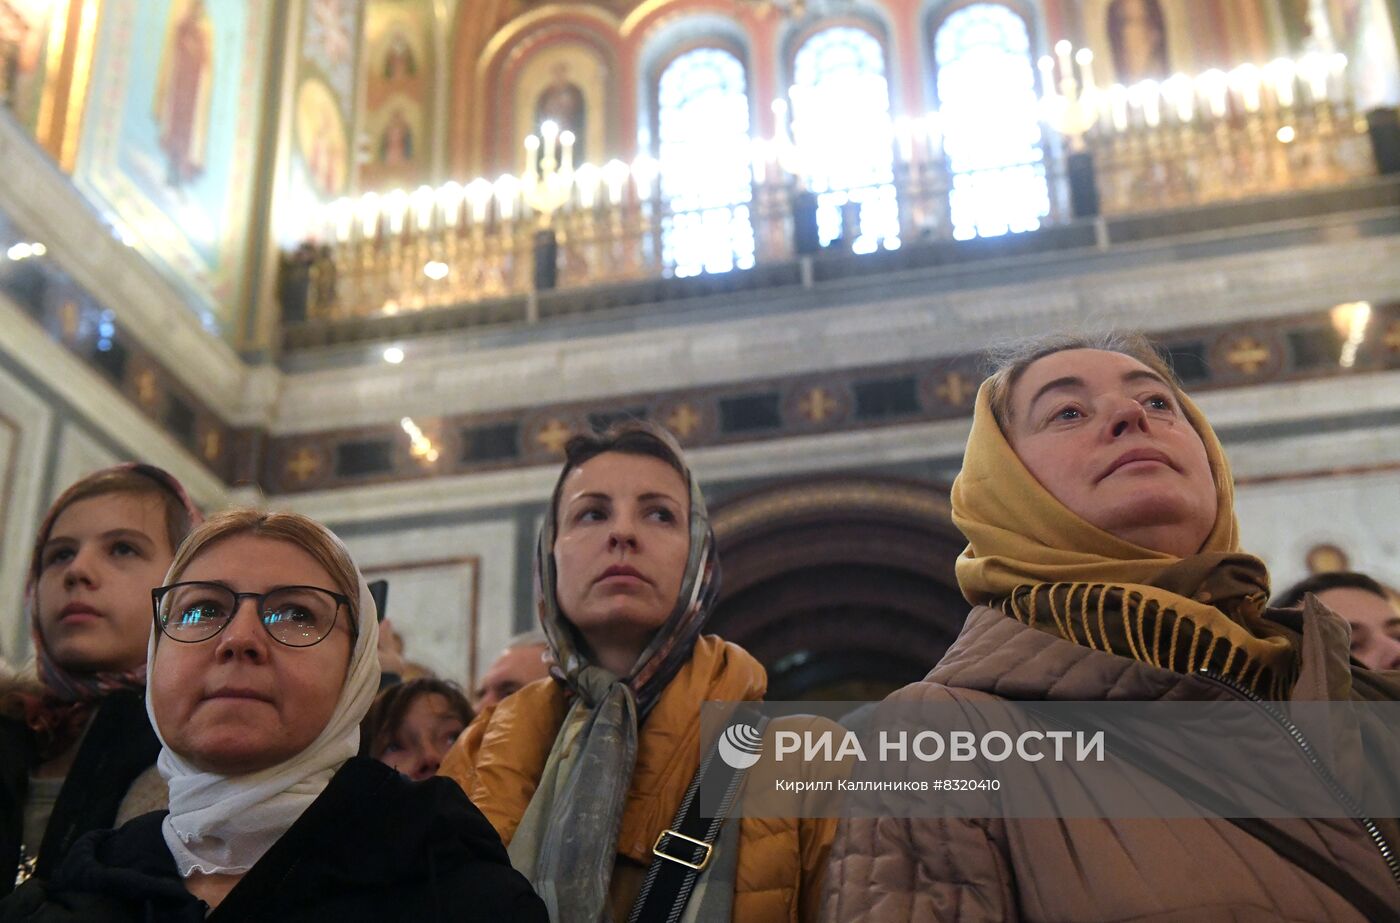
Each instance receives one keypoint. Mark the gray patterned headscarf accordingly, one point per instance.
(566, 843)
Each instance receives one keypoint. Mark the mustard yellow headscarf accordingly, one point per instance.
(1039, 562)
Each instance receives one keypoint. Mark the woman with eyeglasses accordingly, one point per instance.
(263, 662)
(76, 750)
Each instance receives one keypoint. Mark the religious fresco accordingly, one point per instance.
(397, 68)
(169, 139)
(567, 84)
(1137, 39)
(320, 167)
(24, 34)
(321, 137)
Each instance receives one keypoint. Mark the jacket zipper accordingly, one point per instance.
(1392, 862)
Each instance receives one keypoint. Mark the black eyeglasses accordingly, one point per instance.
(297, 616)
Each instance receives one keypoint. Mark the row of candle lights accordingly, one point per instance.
(1211, 94)
(450, 204)
(550, 181)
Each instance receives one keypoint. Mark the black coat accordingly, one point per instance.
(119, 745)
(374, 847)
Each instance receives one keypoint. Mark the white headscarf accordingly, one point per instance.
(222, 824)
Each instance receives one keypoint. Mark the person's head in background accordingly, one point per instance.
(412, 725)
(1364, 603)
(103, 546)
(524, 660)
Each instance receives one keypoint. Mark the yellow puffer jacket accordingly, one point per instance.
(499, 759)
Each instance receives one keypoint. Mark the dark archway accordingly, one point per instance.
(842, 586)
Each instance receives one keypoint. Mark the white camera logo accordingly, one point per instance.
(740, 745)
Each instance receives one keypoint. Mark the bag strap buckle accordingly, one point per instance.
(698, 866)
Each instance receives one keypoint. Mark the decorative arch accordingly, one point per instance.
(668, 40)
(475, 26)
(520, 57)
(799, 32)
(984, 56)
(842, 126)
(933, 13)
(703, 130)
(842, 586)
(643, 31)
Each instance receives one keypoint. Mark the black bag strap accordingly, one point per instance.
(683, 850)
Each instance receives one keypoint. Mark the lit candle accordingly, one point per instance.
(506, 188)
(1063, 51)
(423, 207)
(395, 206)
(1281, 73)
(1147, 97)
(1118, 106)
(1085, 59)
(1215, 86)
(479, 193)
(343, 211)
(1181, 95)
(532, 157)
(1314, 71)
(615, 178)
(566, 143)
(449, 196)
(1246, 81)
(369, 214)
(549, 133)
(586, 178)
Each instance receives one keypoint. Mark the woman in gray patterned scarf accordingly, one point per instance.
(581, 772)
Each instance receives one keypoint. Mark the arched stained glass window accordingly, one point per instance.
(841, 127)
(705, 158)
(991, 128)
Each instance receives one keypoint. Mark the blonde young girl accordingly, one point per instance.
(76, 750)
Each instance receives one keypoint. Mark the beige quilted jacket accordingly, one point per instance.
(893, 870)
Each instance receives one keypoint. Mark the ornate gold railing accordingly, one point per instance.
(1225, 136)
(1155, 146)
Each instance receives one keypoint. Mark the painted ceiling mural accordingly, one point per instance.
(170, 138)
(398, 65)
(323, 100)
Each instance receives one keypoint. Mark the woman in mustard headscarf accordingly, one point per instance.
(1103, 562)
